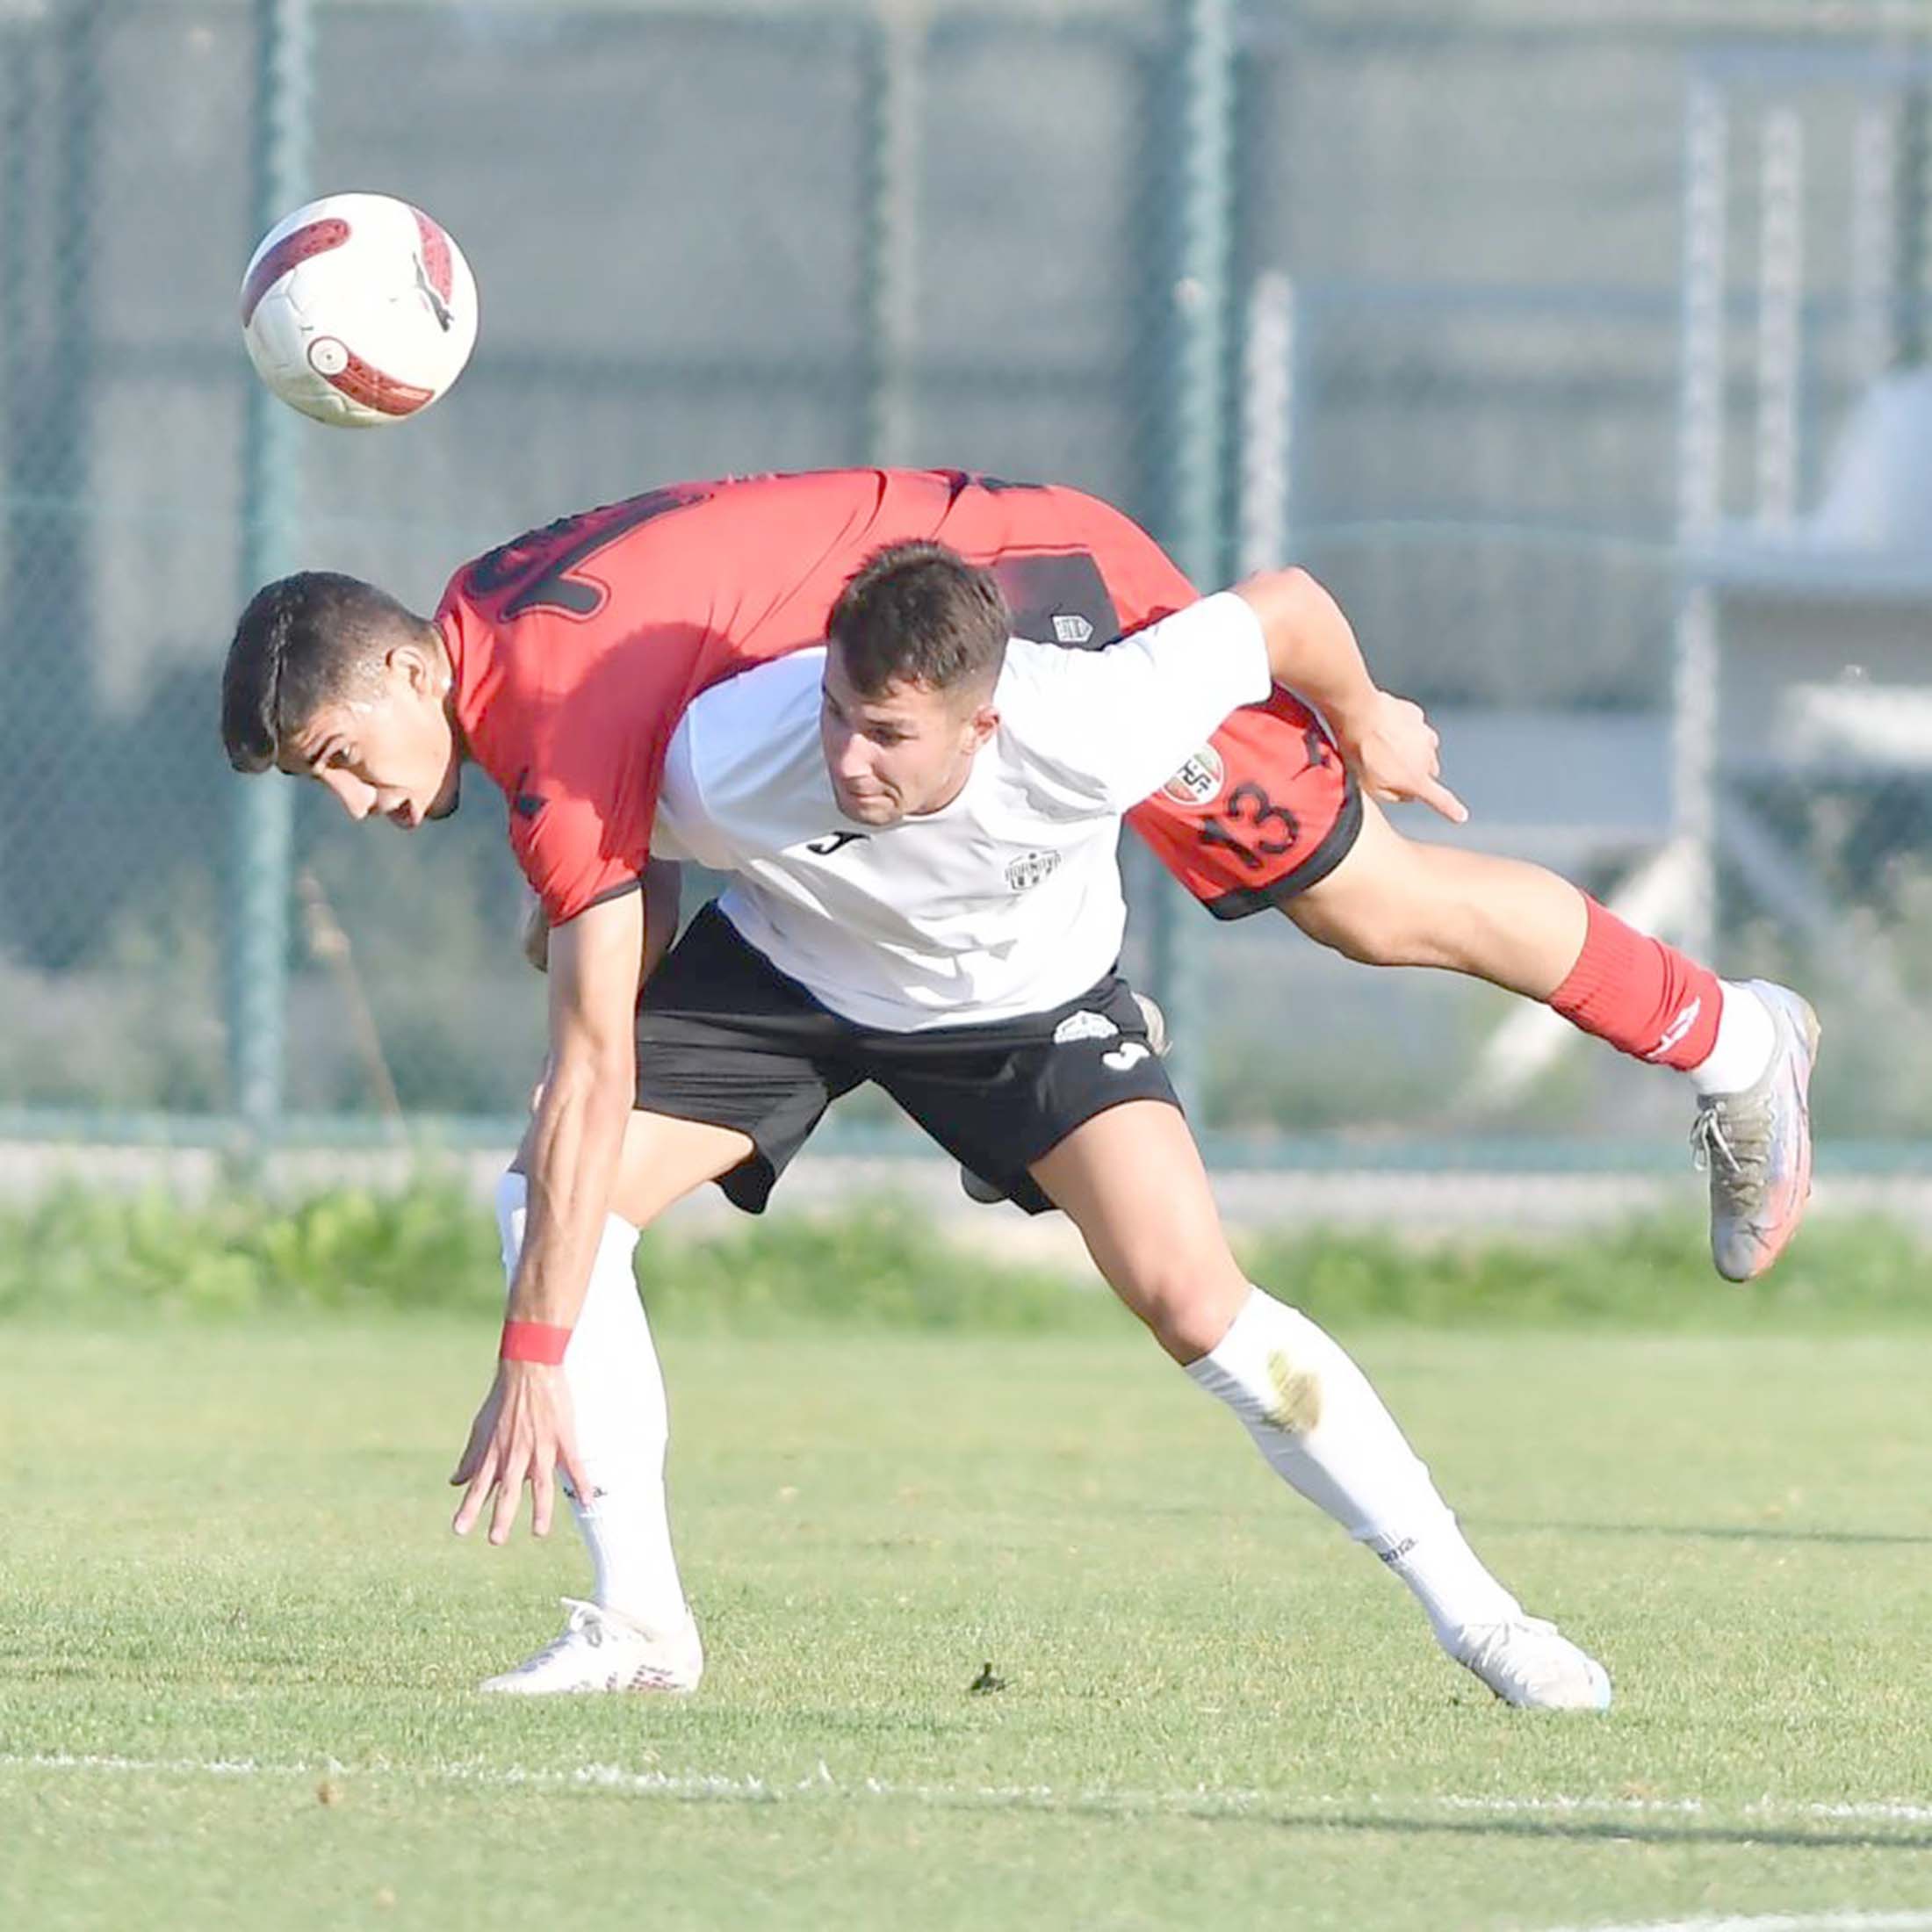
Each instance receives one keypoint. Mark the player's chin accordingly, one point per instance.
(874, 809)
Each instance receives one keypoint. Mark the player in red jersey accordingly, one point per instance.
(561, 661)
(688, 584)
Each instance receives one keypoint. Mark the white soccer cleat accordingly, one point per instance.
(1530, 1664)
(599, 1650)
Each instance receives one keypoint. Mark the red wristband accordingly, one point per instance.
(534, 1342)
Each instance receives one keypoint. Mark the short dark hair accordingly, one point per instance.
(919, 614)
(304, 641)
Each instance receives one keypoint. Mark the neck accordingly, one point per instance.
(445, 660)
(946, 798)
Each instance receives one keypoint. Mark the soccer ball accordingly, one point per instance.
(358, 310)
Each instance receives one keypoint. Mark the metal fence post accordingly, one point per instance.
(271, 483)
(1203, 175)
(52, 134)
(1700, 482)
(1910, 205)
(893, 188)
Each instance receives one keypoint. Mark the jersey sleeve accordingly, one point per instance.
(580, 822)
(1115, 724)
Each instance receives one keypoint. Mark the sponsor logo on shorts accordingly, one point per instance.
(1198, 781)
(1030, 867)
(1084, 1025)
(1128, 1055)
(1070, 627)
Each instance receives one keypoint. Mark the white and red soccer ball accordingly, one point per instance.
(358, 310)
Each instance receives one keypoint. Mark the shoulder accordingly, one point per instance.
(760, 709)
(770, 689)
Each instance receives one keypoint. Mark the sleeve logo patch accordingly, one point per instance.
(1198, 781)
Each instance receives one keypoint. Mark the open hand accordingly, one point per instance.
(523, 1433)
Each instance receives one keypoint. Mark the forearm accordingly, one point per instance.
(570, 1161)
(1311, 646)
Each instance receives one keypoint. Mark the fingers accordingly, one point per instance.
(1424, 791)
(472, 1453)
(509, 1493)
(581, 1484)
(483, 1480)
(521, 1435)
(1438, 797)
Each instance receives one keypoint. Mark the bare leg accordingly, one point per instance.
(663, 1160)
(1393, 902)
(1160, 1247)
(1132, 1181)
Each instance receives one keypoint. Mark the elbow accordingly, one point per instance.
(1286, 599)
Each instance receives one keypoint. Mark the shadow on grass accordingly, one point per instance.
(1734, 1533)
(1612, 1831)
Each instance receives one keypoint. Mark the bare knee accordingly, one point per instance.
(1187, 1301)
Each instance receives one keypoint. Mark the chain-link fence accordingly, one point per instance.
(1555, 341)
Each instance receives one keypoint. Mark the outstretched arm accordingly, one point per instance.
(523, 1431)
(1312, 650)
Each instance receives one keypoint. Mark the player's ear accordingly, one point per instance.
(984, 722)
(411, 663)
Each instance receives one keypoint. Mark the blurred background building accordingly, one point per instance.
(1581, 349)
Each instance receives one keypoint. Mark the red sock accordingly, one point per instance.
(1644, 997)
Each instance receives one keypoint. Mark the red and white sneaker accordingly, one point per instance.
(599, 1650)
(1757, 1147)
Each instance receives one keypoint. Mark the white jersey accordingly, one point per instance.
(1007, 901)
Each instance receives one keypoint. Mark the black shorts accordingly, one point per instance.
(725, 1038)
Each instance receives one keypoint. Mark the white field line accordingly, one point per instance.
(823, 1784)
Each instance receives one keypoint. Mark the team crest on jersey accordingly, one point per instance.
(1084, 1025)
(1030, 867)
(1198, 781)
(1070, 627)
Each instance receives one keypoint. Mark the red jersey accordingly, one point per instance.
(578, 647)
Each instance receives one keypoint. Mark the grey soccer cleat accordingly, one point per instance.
(983, 1191)
(1757, 1146)
(1532, 1664)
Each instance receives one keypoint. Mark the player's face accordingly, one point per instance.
(390, 753)
(899, 753)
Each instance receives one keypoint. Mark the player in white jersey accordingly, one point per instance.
(921, 825)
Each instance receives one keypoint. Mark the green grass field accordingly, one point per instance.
(237, 1642)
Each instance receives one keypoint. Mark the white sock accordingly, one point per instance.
(1747, 1038)
(616, 1390)
(1325, 1432)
